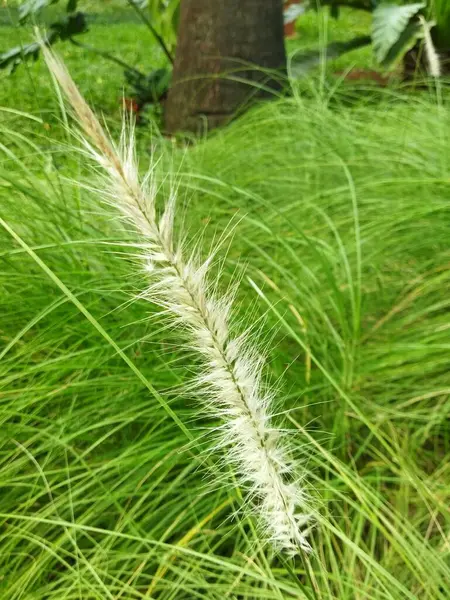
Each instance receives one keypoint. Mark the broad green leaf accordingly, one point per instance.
(304, 61)
(149, 88)
(72, 25)
(440, 12)
(405, 42)
(12, 58)
(389, 24)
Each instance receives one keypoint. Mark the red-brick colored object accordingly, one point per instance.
(292, 10)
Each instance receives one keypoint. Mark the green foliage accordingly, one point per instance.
(30, 8)
(144, 88)
(395, 29)
(116, 26)
(65, 28)
(341, 218)
(303, 61)
(440, 12)
(13, 58)
(166, 15)
(151, 88)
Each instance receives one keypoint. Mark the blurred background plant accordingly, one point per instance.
(395, 31)
(439, 11)
(67, 24)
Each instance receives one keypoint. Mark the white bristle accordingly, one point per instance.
(231, 369)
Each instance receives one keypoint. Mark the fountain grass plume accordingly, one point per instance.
(433, 60)
(230, 371)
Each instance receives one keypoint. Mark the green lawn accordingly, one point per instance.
(29, 88)
(340, 227)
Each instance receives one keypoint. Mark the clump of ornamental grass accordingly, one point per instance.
(230, 381)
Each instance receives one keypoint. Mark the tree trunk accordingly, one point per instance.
(228, 52)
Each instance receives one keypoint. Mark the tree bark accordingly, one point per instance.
(228, 53)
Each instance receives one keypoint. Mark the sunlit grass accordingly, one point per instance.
(341, 228)
(340, 234)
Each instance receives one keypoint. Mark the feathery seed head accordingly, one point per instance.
(230, 380)
(433, 60)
